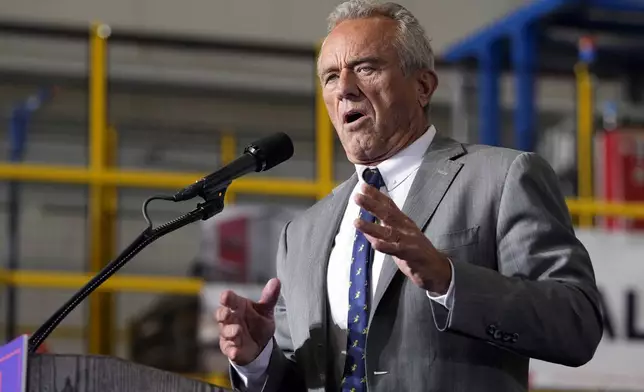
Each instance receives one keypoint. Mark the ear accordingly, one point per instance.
(427, 81)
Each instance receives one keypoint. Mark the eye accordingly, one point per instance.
(330, 78)
(365, 69)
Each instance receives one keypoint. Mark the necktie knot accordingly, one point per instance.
(373, 178)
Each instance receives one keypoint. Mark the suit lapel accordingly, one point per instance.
(434, 177)
(320, 246)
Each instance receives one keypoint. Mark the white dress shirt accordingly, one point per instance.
(398, 173)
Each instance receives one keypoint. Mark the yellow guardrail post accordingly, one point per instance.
(585, 116)
(101, 199)
(324, 141)
(228, 154)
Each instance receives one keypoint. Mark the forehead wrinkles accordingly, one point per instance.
(353, 39)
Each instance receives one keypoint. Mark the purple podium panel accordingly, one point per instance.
(13, 365)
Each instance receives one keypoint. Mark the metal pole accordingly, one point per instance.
(102, 305)
(585, 115)
(524, 56)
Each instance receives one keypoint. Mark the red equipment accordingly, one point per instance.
(620, 173)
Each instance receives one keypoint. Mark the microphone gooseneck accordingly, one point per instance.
(259, 156)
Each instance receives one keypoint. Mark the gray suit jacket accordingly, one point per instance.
(524, 285)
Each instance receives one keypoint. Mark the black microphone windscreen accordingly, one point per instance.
(272, 150)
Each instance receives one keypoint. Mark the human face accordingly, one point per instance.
(376, 108)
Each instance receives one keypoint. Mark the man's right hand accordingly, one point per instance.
(245, 327)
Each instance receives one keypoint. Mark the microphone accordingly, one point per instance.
(260, 155)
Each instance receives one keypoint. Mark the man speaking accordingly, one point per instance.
(437, 266)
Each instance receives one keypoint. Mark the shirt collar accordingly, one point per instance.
(400, 166)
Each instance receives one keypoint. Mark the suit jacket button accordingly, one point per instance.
(498, 335)
(514, 338)
(507, 337)
(491, 329)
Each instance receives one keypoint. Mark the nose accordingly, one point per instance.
(347, 85)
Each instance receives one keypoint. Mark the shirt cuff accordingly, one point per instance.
(447, 299)
(253, 374)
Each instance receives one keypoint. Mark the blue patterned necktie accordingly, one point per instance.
(354, 378)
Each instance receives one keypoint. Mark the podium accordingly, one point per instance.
(94, 373)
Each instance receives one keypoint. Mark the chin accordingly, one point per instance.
(361, 153)
(360, 144)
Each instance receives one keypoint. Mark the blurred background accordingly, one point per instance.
(103, 104)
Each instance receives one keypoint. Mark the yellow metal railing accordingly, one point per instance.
(104, 178)
(585, 116)
(152, 179)
(120, 283)
(592, 207)
(102, 197)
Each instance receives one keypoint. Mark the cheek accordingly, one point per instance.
(384, 97)
(396, 103)
(328, 99)
(331, 105)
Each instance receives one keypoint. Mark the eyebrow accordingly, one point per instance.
(353, 63)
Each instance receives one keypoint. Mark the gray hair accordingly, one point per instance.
(412, 43)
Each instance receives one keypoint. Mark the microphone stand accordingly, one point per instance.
(212, 205)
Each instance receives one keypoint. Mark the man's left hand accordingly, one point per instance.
(399, 237)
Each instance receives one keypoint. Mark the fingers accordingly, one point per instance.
(231, 300)
(384, 239)
(233, 337)
(234, 352)
(380, 205)
(385, 233)
(232, 332)
(390, 248)
(228, 320)
(224, 315)
(230, 328)
(230, 323)
(373, 192)
(230, 350)
(241, 326)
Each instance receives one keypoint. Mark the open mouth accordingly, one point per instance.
(352, 116)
